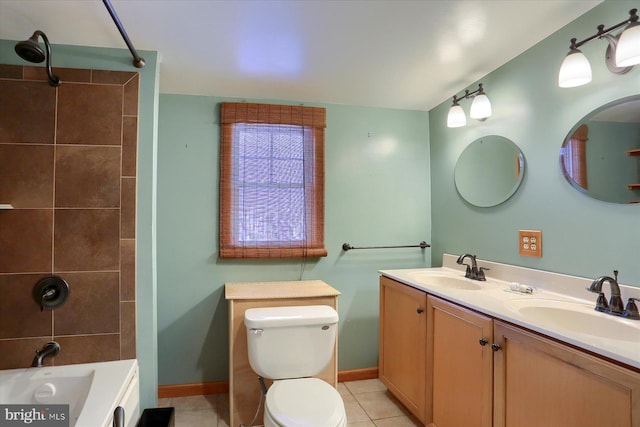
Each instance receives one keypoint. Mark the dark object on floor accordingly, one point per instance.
(157, 417)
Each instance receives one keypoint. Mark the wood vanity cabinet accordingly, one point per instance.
(480, 371)
(403, 336)
(459, 366)
(541, 382)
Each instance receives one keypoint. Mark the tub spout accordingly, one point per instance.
(50, 349)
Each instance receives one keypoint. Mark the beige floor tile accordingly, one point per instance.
(397, 422)
(193, 403)
(343, 390)
(362, 424)
(380, 404)
(365, 386)
(354, 411)
(164, 402)
(197, 418)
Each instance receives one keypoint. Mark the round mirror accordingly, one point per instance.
(600, 156)
(489, 171)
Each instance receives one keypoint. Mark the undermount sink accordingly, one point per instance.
(445, 281)
(575, 317)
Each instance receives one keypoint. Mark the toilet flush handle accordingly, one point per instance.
(256, 331)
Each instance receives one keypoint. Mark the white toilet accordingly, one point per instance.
(289, 345)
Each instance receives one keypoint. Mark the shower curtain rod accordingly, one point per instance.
(422, 245)
(138, 61)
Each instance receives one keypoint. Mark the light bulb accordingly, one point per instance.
(628, 48)
(456, 117)
(480, 107)
(575, 70)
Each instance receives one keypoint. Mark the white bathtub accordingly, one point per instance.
(92, 390)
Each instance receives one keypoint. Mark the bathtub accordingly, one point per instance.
(92, 390)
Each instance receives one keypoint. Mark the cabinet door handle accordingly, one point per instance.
(495, 347)
(420, 310)
(483, 341)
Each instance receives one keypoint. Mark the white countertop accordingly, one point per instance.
(496, 300)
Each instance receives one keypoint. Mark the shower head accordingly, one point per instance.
(31, 51)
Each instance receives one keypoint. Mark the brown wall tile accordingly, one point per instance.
(25, 240)
(88, 348)
(86, 240)
(27, 171)
(89, 114)
(128, 208)
(127, 330)
(10, 71)
(112, 77)
(127, 270)
(27, 112)
(87, 177)
(129, 146)
(98, 322)
(131, 97)
(93, 305)
(19, 353)
(20, 315)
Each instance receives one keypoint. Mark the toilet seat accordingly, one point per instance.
(308, 402)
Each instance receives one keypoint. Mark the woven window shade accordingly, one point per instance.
(271, 181)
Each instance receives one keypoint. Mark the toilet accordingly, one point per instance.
(289, 345)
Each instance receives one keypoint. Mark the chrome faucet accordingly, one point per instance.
(614, 306)
(50, 349)
(472, 272)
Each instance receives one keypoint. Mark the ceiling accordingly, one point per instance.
(384, 53)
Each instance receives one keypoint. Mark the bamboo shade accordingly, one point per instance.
(271, 181)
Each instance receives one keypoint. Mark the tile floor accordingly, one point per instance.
(367, 402)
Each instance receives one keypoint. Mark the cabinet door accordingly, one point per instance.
(459, 358)
(540, 382)
(403, 331)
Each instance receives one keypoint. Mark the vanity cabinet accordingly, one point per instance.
(541, 382)
(403, 335)
(459, 366)
(481, 371)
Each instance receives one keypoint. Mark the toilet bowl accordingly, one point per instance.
(308, 402)
(289, 345)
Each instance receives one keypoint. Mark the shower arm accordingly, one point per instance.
(138, 61)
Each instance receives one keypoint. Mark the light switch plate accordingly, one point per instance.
(530, 243)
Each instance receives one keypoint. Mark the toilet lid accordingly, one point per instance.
(307, 402)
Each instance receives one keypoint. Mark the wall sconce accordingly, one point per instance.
(480, 108)
(622, 53)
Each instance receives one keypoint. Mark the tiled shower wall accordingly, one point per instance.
(68, 167)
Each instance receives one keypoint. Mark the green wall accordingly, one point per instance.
(581, 236)
(377, 193)
(120, 60)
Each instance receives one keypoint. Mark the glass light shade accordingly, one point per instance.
(575, 70)
(628, 48)
(456, 117)
(480, 107)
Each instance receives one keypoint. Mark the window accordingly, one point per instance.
(271, 181)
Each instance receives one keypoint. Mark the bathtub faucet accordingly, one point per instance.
(50, 349)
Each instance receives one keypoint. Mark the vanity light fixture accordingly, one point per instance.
(622, 53)
(480, 108)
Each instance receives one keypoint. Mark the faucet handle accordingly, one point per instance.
(631, 310)
(601, 302)
(467, 273)
(481, 275)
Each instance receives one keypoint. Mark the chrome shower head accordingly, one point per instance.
(31, 51)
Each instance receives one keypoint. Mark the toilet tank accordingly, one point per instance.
(290, 342)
